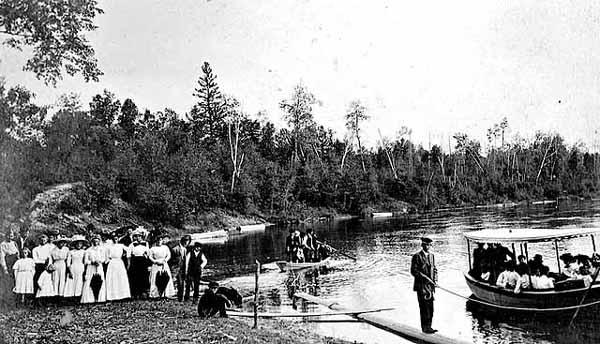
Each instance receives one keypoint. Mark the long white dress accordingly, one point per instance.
(74, 284)
(117, 283)
(24, 269)
(46, 287)
(159, 256)
(58, 257)
(93, 260)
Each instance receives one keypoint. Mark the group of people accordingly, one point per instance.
(496, 265)
(90, 270)
(304, 247)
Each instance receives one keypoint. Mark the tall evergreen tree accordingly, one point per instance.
(207, 116)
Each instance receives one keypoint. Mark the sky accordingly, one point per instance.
(436, 67)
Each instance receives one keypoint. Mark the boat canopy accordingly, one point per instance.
(522, 235)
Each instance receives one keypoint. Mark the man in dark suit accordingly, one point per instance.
(177, 263)
(195, 261)
(423, 269)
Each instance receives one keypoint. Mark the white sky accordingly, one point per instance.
(436, 67)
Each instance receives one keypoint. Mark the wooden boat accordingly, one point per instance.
(555, 299)
(287, 266)
(259, 227)
(216, 237)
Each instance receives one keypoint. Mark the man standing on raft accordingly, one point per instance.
(423, 269)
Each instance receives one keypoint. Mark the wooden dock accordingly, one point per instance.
(386, 324)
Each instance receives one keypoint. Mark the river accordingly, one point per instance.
(380, 277)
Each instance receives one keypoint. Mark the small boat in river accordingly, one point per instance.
(289, 266)
(553, 299)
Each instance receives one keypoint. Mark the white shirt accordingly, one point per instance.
(507, 278)
(542, 282)
(41, 253)
(522, 283)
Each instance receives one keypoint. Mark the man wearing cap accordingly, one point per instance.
(195, 261)
(423, 269)
(212, 303)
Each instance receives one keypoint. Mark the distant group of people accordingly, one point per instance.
(496, 265)
(304, 247)
(90, 270)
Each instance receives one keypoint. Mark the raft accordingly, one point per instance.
(386, 324)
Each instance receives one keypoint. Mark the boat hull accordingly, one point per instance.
(287, 266)
(532, 300)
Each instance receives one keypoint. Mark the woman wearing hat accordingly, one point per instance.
(94, 258)
(58, 259)
(75, 267)
(139, 278)
(159, 255)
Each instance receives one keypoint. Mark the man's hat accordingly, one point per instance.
(213, 284)
(426, 240)
(197, 244)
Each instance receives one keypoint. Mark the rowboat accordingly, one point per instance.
(555, 299)
(287, 266)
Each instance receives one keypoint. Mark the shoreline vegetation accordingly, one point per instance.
(217, 167)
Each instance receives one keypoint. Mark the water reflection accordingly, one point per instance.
(380, 278)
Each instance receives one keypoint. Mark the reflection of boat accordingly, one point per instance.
(287, 266)
(548, 299)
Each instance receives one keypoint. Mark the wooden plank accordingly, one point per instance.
(397, 328)
(236, 313)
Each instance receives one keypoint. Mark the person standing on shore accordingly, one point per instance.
(195, 261)
(177, 264)
(40, 255)
(423, 269)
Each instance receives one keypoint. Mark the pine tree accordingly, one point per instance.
(207, 116)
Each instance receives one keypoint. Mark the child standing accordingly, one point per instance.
(24, 269)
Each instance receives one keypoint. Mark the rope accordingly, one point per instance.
(554, 309)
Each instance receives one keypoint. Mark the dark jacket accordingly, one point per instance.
(420, 264)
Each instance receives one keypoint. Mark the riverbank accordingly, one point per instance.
(165, 321)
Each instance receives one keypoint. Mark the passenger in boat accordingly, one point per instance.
(423, 269)
(485, 274)
(541, 279)
(500, 256)
(479, 260)
(524, 281)
(522, 264)
(570, 267)
(509, 277)
(537, 263)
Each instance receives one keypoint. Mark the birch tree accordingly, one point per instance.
(355, 116)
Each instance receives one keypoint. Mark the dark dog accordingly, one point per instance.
(216, 300)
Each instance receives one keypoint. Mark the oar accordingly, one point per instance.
(584, 296)
(337, 251)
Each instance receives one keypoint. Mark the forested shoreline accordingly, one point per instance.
(172, 167)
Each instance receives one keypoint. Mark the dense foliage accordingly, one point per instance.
(172, 167)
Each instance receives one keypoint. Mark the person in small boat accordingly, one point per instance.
(524, 282)
(521, 264)
(423, 269)
(309, 246)
(212, 302)
(296, 253)
(499, 256)
(485, 274)
(537, 263)
(509, 277)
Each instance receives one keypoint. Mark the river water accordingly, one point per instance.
(380, 277)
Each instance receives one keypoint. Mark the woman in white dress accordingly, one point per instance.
(93, 259)
(58, 259)
(75, 268)
(159, 255)
(117, 283)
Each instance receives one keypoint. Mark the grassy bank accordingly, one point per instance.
(164, 321)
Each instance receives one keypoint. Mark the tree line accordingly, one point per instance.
(171, 167)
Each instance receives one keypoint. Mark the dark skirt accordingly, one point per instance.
(139, 276)
(7, 282)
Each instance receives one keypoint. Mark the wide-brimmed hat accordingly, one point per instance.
(78, 238)
(61, 239)
(140, 231)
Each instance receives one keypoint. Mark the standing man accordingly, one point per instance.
(195, 261)
(177, 263)
(423, 269)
